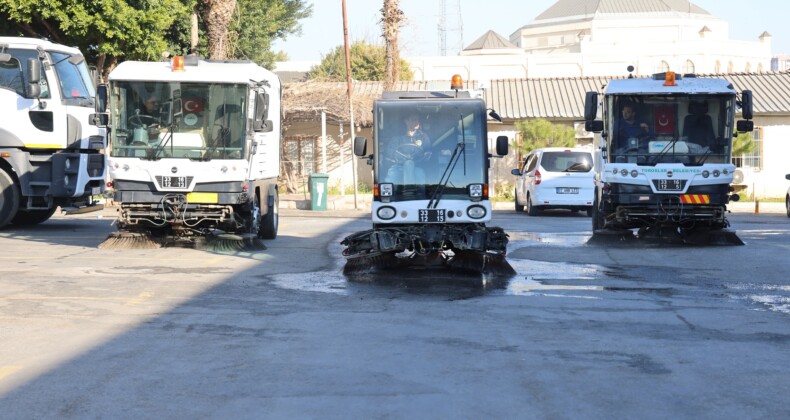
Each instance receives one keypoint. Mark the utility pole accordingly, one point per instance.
(350, 106)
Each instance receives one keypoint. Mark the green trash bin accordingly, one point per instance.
(318, 191)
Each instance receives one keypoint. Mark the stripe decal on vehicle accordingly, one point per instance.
(695, 199)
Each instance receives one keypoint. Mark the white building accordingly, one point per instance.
(576, 38)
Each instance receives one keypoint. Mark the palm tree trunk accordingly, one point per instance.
(392, 18)
(216, 17)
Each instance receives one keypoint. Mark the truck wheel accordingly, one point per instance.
(519, 207)
(32, 217)
(9, 198)
(531, 210)
(271, 220)
(787, 205)
(597, 216)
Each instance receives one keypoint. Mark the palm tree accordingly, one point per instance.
(216, 16)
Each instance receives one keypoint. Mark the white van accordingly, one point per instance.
(555, 177)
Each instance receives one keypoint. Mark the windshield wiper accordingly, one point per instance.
(670, 146)
(448, 170)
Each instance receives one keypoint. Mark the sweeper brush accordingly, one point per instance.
(219, 242)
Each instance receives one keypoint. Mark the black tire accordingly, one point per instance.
(531, 210)
(32, 217)
(271, 220)
(589, 211)
(9, 198)
(597, 215)
(787, 205)
(519, 206)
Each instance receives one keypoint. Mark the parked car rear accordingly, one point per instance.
(555, 178)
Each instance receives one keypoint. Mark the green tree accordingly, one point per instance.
(743, 144)
(367, 64)
(106, 31)
(537, 133)
(257, 23)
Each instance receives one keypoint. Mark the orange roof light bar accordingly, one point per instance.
(669, 79)
(456, 82)
(178, 63)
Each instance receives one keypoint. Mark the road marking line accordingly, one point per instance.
(142, 297)
(6, 371)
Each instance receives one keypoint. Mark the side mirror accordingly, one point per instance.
(501, 145)
(746, 105)
(594, 126)
(99, 120)
(745, 126)
(493, 114)
(360, 146)
(100, 101)
(516, 172)
(590, 106)
(787, 177)
(33, 77)
(261, 122)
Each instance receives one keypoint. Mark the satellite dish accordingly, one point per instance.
(737, 176)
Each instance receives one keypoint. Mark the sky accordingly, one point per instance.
(420, 36)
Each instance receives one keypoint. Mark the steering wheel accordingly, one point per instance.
(144, 121)
(408, 151)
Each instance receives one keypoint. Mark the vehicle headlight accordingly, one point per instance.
(386, 212)
(476, 212)
(624, 172)
(634, 173)
(705, 174)
(386, 190)
(716, 173)
(476, 190)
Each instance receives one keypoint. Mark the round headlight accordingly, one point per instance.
(634, 173)
(624, 172)
(726, 172)
(614, 172)
(476, 212)
(705, 174)
(716, 173)
(385, 213)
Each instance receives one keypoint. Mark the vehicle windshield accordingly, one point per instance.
(648, 130)
(74, 77)
(208, 120)
(421, 143)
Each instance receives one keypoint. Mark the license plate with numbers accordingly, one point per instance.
(174, 182)
(431, 216)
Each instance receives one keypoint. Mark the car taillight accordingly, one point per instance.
(537, 177)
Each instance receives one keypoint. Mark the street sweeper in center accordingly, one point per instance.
(194, 153)
(430, 158)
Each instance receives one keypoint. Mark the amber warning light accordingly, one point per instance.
(456, 82)
(669, 79)
(178, 63)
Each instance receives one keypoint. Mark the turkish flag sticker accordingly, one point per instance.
(193, 105)
(664, 120)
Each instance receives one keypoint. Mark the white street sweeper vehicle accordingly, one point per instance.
(195, 149)
(50, 153)
(430, 171)
(663, 158)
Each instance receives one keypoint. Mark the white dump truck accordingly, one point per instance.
(195, 152)
(663, 156)
(50, 153)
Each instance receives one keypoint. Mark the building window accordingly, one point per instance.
(748, 67)
(689, 67)
(662, 67)
(754, 159)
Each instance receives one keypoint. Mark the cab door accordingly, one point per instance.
(265, 157)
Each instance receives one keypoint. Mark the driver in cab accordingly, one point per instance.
(407, 149)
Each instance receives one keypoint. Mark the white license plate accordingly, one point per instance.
(567, 190)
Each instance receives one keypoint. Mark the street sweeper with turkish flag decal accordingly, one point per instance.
(430, 159)
(663, 157)
(194, 153)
